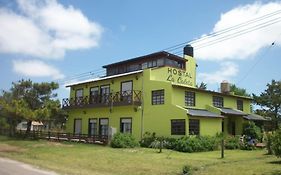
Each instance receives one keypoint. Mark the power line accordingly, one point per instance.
(206, 44)
(213, 34)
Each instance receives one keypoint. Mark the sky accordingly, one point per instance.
(69, 40)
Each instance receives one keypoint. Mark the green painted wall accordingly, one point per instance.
(157, 118)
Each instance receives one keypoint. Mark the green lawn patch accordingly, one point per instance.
(86, 159)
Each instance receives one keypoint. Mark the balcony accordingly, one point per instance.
(123, 98)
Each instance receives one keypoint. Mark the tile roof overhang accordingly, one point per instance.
(230, 111)
(202, 113)
(254, 117)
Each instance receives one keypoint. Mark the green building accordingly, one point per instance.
(154, 93)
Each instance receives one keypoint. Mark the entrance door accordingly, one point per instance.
(127, 91)
(103, 129)
(233, 126)
(77, 126)
(93, 127)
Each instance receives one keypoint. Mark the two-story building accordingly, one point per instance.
(154, 93)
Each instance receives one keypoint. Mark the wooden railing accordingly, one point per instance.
(59, 136)
(118, 98)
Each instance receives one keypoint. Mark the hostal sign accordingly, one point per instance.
(179, 76)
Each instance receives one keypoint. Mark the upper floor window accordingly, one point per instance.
(189, 98)
(157, 97)
(240, 105)
(218, 101)
(178, 127)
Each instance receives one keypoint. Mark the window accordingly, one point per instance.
(189, 98)
(217, 101)
(93, 127)
(77, 126)
(104, 92)
(103, 126)
(79, 96)
(158, 97)
(194, 127)
(126, 125)
(240, 105)
(94, 95)
(160, 62)
(126, 91)
(178, 127)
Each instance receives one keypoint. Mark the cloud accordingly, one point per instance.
(46, 29)
(36, 68)
(226, 72)
(246, 45)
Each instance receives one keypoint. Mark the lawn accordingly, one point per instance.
(83, 159)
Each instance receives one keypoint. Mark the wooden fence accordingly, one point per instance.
(59, 136)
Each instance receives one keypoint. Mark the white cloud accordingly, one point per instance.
(243, 46)
(226, 72)
(46, 29)
(36, 68)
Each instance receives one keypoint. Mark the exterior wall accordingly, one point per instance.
(209, 126)
(157, 118)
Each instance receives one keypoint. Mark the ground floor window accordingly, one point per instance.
(194, 127)
(77, 126)
(126, 125)
(178, 127)
(93, 123)
(103, 129)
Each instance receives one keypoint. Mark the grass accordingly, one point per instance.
(82, 159)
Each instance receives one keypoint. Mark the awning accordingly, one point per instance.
(229, 111)
(254, 117)
(202, 113)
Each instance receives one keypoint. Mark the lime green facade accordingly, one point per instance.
(170, 118)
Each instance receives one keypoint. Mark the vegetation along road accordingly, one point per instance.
(83, 159)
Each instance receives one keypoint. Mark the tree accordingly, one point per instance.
(270, 101)
(202, 85)
(276, 143)
(29, 101)
(239, 91)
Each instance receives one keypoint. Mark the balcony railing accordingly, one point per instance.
(102, 100)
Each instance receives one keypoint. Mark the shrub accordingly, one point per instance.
(268, 141)
(231, 142)
(187, 170)
(196, 144)
(251, 131)
(147, 139)
(276, 143)
(121, 140)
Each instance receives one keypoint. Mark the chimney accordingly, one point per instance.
(188, 50)
(225, 87)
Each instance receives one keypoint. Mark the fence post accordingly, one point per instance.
(49, 135)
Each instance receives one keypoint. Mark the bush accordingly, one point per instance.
(268, 141)
(121, 140)
(196, 144)
(232, 142)
(276, 143)
(187, 170)
(251, 131)
(147, 139)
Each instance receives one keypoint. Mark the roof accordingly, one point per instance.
(255, 117)
(202, 113)
(213, 92)
(156, 54)
(229, 111)
(103, 78)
